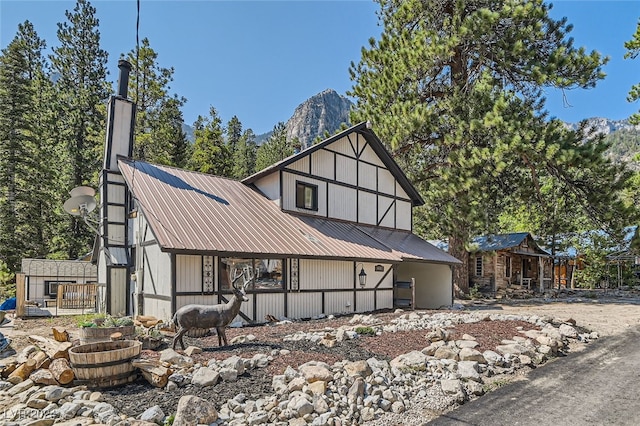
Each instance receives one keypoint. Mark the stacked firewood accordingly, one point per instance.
(45, 362)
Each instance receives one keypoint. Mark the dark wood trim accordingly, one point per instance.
(326, 199)
(383, 277)
(309, 158)
(174, 301)
(335, 166)
(323, 304)
(156, 297)
(195, 293)
(347, 185)
(148, 243)
(255, 307)
(386, 212)
(353, 148)
(357, 159)
(355, 284)
(281, 184)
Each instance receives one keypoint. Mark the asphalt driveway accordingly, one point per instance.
(598, 386)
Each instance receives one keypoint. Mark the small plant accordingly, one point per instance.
(489, 387)
(110, 321)
(169, 420)
(365, 331)
(474, 292)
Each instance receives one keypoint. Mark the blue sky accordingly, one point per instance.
(260, 59)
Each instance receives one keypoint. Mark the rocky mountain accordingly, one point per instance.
(606, 126)
(319, 115)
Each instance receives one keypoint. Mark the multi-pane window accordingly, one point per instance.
(306, 196)
(507, 266)
(259, 274)
(478, 266)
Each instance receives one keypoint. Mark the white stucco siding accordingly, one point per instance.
(188, 273)
(346, 170)
(386, 212)
(270, 186)
(325, 274)
(433, 283)
(289, 194)
(367, 176)
(403, 215)
(322, 164)
(304, 305)
(367, 208)
(342, 202)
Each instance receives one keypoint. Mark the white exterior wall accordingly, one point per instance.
(156, 276)
(267, 304)
(342, 202)
(270, 187)
(434, 283)
(322, 164)
(403, 215)
(289, 194)
(188, 273)
(118, 291)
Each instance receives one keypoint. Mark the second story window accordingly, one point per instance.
(306, 196)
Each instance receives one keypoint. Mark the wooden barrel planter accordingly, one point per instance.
(104, 364)
(102, 334)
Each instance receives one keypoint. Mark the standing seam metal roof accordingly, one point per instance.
(195, 212)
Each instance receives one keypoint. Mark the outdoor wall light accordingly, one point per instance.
(362, 276)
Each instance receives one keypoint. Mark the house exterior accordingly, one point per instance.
(45, 278)
(501, 261)
(306, 231)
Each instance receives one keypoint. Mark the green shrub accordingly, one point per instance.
(367, 331)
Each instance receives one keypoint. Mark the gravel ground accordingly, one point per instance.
(608, 316)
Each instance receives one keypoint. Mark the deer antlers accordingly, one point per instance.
(244, 273)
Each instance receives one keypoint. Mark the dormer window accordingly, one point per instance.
(306, 196)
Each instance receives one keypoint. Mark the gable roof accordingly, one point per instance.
(504, 241)
(374, 142)
(191, 212)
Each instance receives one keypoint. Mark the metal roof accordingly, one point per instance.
(193, 212)
(409, 246)
(504, 241)
(373, 141)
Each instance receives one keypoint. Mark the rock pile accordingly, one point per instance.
(445, 373)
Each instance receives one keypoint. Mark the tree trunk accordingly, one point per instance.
(61, 371)
(24, 370)
(51, 347)
(458, 250)
(155, 373)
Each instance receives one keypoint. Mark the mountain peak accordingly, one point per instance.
(323, 112)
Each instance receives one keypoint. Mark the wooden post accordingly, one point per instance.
(20, 295)
(413, 293)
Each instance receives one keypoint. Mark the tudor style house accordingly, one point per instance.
(325, 231)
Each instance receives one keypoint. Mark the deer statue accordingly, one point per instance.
(209, 316)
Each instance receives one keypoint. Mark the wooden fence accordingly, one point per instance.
(76, 296)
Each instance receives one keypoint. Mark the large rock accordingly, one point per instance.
(193, 410)
(153, 414)
(205, 376)
(414, 360)
(313, 371)
(446, 352)
(173, 357)
(470, 354)
(468, 370)
(356, 390)
(358, 368)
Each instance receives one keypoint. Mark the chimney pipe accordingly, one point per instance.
(123, 80)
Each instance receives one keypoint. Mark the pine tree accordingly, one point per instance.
(210, 154)
(157, 110)
(633, 49)
(82, 91)
(275, 149)
(16, 144)
(455, 88)
(244, 157)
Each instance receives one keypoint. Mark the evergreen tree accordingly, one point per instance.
(244, 157)
(455, 89)
(275, 149)
(157, 110)
(210, 154)
(633, 49)
(26, 149)
(16, 144)
(82, 91)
